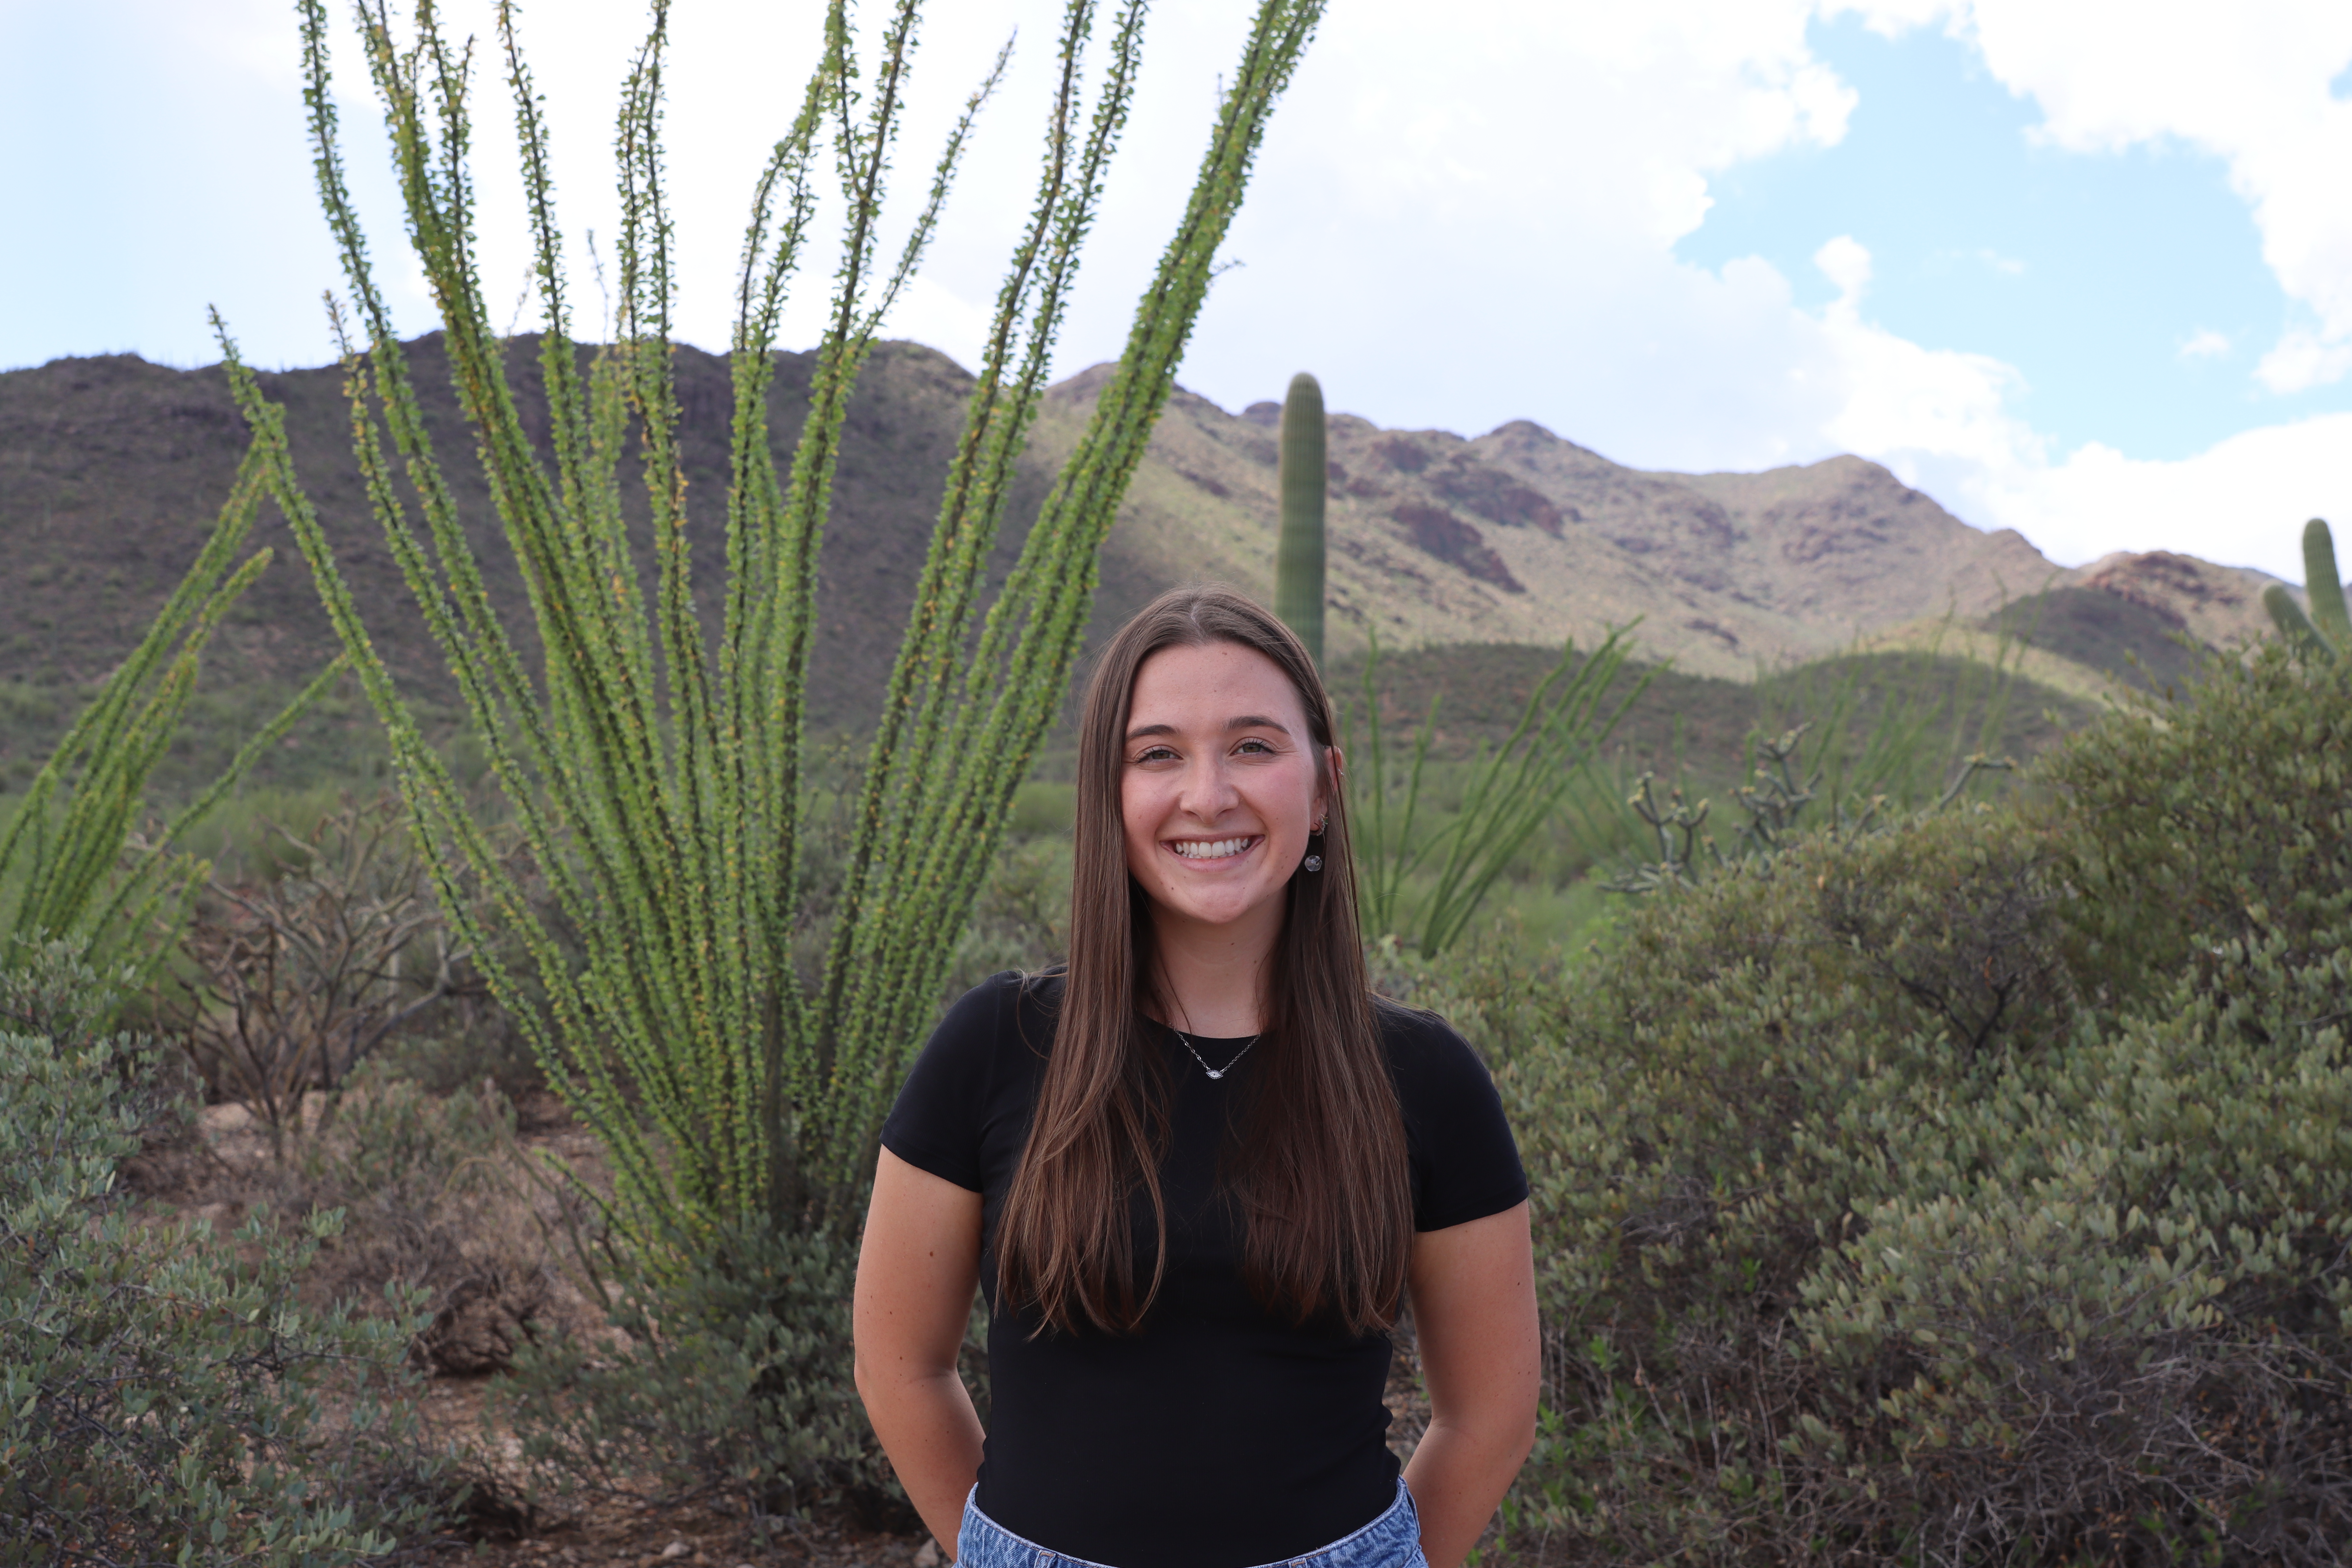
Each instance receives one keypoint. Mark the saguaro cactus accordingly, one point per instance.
(1298, 548)
(2326, 632)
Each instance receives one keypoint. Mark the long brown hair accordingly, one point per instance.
(1318, 1177)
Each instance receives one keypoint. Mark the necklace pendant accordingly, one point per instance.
(1215, 1073)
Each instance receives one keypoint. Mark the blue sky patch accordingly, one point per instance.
(2128, 290)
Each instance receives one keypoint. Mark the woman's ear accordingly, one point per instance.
(1335, 770)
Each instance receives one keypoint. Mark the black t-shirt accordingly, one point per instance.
(1220, 1434)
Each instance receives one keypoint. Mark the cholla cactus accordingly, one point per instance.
(2327, 630)
(1785, 785)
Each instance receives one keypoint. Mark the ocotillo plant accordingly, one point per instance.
(656, 776)
(2326, 632)
(1512, 789)
(70, 869)
(1299, 547)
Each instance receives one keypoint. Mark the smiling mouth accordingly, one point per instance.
(1211, 848)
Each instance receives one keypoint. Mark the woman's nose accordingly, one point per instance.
(1208, 790)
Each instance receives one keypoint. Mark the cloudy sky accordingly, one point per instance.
(2080, 267)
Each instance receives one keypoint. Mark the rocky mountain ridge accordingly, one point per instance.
(1519, 535)
(111, 467)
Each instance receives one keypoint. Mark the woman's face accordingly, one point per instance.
(1217, 783)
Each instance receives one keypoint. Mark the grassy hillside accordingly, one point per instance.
(2132, 642)
(1696, 723)
(1480, 689)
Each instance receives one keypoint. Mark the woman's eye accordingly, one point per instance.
(1155, 754)
(1255, 747)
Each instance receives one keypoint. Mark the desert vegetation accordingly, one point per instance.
(1956, 1181)
(1967, 1190)
(436, 1114)
(1949, 1180)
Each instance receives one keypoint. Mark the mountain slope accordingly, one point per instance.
(1519, 536)
(110, 468)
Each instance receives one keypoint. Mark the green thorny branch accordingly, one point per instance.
(73, 866)
(1511, 791)
(657, 783)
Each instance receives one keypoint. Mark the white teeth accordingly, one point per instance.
(1216, 849)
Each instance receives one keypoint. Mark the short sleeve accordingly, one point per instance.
(1466, 1163)
(937, 1124)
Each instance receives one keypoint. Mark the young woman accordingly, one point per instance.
(1197, 1174)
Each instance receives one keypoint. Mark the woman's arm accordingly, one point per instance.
(916, 1271)
(1473, 1315)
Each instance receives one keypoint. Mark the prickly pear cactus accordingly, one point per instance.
(2326, 632)
(1299, 547)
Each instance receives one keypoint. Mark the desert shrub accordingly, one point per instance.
(298, 978)
(162, 1397)
(467, 1041)
(1973, 1191)
(445, 1224)
(2187, 821)
(732, 1380)
(1021, 919)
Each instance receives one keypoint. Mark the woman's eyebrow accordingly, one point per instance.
(1244, 721)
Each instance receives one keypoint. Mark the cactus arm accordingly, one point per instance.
(2323, 585)
(2294, 625)
(1299, 547)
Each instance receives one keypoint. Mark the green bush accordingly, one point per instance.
(1975, 1192)
(161, 1400)
(2190, 822)
(733, 1380)
(444, 1216)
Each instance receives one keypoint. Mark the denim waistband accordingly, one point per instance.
(1391, 1540)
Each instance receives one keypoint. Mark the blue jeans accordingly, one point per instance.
(1391, 1540)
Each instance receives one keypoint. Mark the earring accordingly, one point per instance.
(1314, 862)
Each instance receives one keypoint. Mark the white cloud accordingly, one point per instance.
(1941, 421)
(930, 315)
(1599, 147)
(2242, 502)
(1460, 225)
(1938, 418)
(1846, 264)
(1567, 119)
(2303, 359)
(2205, 343)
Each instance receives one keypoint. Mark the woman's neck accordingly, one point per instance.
(1212, 978)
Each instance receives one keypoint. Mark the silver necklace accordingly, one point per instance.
(1214, 1073)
